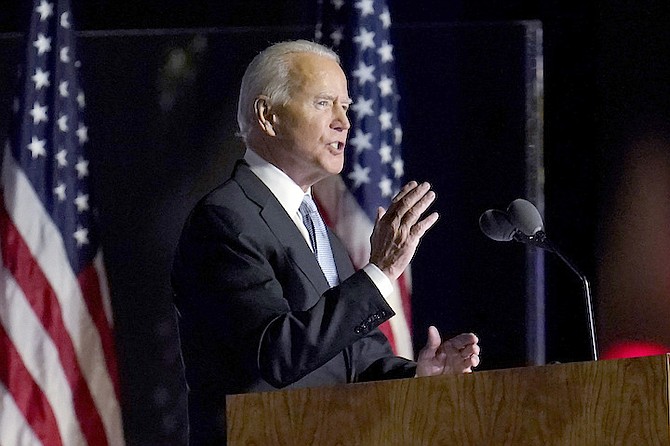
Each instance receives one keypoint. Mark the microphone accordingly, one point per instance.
(522, 222)
(496, 225)
(525, 216)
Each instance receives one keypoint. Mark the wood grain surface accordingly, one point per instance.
(615, 402)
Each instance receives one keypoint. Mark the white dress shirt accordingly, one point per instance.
(290, 196)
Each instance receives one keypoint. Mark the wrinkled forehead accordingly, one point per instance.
(314, 71)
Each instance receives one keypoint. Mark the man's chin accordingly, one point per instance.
(337, 170)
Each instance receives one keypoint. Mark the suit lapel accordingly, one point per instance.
(282, 226)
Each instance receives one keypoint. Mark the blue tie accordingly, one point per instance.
(319, 238)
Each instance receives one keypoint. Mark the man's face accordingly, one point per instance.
(311, 129)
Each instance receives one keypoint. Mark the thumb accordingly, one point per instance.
(380, 213)
(432, 344)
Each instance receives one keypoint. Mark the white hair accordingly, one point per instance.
(267, 74)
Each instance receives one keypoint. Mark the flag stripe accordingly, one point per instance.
(402, 339)
(90, 286)
(404, 287)
(28, 398)
(104, 294)
(42, 298)
(14, 428)
(36, 226)
(38, 356)
(387, 329)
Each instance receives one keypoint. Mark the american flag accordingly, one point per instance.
(58, 374)
(359, 30)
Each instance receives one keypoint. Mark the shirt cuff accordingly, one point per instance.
(381, 281)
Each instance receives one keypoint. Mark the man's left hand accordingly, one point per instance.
(459, 354)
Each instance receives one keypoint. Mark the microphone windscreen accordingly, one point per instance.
(524, 216)
(496, 225)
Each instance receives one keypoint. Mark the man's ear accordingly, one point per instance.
(264, 116)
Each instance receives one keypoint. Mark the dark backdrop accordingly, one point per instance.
(164, 138)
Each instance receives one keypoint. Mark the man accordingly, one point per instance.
(258, 311)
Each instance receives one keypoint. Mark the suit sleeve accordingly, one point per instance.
(246, 292)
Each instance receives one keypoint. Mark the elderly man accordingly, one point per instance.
(267, 296)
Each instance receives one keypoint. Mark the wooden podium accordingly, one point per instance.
(613, 402)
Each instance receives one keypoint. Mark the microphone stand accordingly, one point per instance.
(540, 240)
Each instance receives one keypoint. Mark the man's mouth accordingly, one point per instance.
(336, 145)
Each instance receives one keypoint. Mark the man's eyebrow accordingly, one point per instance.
(331, 97)
(347, 100)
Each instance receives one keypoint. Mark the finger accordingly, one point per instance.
(459, 343)
(432, 344)
(407, 198)
(411, 195)
(414, 212)
(455, 363)
(470, 350)
(419, 229)
(470, 356)
(468, 363)
(464, 339)
(404, 191)
(404, 214)
(380, 213)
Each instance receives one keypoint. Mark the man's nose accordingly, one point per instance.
(341, 120)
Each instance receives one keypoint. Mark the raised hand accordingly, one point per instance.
(399, 229)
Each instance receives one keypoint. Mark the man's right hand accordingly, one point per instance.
(399, 229)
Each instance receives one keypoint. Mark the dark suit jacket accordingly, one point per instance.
(256, 311)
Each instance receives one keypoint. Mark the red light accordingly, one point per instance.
(634, 349)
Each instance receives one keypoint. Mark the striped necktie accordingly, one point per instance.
(319, 238)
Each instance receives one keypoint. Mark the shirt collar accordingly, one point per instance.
(288, 193)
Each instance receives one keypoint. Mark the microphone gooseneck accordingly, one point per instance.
(522, 222)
